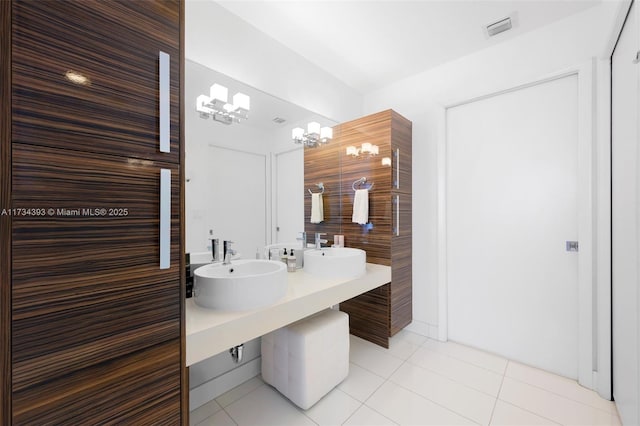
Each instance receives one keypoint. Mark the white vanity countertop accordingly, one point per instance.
(210, 332)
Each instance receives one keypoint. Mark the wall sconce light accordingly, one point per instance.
(366, 148)
(386, 161)
(216, 106)
(314, 136)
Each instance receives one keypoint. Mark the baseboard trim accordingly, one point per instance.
(212, 389)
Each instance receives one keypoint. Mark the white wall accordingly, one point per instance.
(422, 97)
(530, 57)
(220, 40)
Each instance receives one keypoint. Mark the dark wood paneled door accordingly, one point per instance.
(96, 324)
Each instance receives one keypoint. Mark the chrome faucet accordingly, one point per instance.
(320, 241)
(215, 250)
(228, 252)
(303, 239)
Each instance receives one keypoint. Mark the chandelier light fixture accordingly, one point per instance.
(366, 148)
(216, 106)
(314, 136)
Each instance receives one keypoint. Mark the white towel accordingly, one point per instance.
(317, 210)
(361, 207)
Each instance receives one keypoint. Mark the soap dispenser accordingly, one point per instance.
(285, 257)
(291, 262)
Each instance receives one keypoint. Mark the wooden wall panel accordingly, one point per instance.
(322, 164)
(401, 135)
(142, 389)
(369, 315)
(390, 131)
(103, 295)
(401, 294)
(115, 44)
(375, 236)
(401, 246)
(5, 221)
(97, 329)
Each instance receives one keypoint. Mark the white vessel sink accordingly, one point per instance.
(333, 262)
(242, 285)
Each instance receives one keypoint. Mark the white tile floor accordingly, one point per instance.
(418, 381)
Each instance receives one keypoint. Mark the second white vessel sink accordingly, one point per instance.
(334, 262)
(242, 285)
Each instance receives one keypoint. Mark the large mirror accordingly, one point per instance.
(244, 181)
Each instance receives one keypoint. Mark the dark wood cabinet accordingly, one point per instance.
(387, 237)
(95, 330)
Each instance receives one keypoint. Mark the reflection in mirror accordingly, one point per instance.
(244, 181)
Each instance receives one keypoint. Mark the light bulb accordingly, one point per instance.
(297, 133)
(313, 128)
(326, 133)
(201, 102)
(218, 93)
(241, 101)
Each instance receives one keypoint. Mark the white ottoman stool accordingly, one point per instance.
(308, 358)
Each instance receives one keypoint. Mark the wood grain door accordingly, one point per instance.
(96, 327)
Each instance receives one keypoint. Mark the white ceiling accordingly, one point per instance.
(369, 44)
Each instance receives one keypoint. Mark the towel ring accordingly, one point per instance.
(319, 185)
(360, 182)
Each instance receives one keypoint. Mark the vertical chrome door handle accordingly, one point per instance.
(395, 201)
(165, 100)
(165, 218)
(396, 182)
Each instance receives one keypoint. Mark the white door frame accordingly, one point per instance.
(587, 354)
(274, 191)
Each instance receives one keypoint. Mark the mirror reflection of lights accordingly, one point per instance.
(366, 148)
(314, 136)
(216, 106)
(77, 78)
(139, 162)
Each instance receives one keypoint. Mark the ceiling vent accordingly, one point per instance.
(499, 27)
(279, 120)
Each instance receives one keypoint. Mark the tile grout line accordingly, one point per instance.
(227, 413)
(224, 408)
(531, 412)
(464, 360)
(422, 396)
(354, 412)
(495, 403)
(439, 373)
(386, 379)
(504, 374)
(434, 402)
(561, 395)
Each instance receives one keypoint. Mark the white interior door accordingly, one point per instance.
(511, 206)
(230, 200)
(289, 193)
(624, 215)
